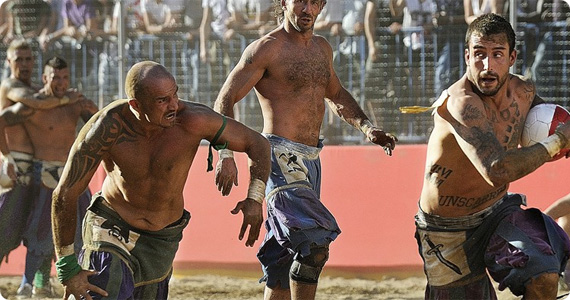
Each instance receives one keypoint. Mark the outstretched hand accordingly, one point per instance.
(252, 217)
(226, 175)
(379, 137)
(79, 286)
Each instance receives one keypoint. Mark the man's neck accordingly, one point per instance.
(27, 82)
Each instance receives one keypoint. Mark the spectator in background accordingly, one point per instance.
(26, 19)
(79, 20)
(329, 22)
(529, 17)
(417, 24)
(192, 18)
(417, 13)
(240, 20)
(103, 17)
(357, 18)
(475, 8)
(369, 29)
(157, 17)
(55, 23)
(450, 27)
(134, 23)
(3, 17)
(177, 12)
(214, 19)
(384, 24)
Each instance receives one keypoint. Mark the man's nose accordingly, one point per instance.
(487, 64)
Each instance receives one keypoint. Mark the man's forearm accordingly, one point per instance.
(224, 107)
(48, 102)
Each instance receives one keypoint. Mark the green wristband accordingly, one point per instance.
(67, 267)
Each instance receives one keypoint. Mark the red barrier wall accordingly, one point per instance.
(373, 196)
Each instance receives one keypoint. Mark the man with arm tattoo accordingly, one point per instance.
(15, 175)
(146, 144)
(468, 223)
(51, 133)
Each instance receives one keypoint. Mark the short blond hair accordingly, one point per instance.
(18, 44)
(137, 74)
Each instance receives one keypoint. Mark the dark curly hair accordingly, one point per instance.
(490, 24)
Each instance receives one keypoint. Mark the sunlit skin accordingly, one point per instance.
(303, 13)
(21, 64)
(56, 81)
(160, 102)
(488, 62)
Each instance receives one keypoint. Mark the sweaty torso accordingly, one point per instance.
(146, 174)
(16, 135)
(292, 89)
(452, 185)
(53, 131)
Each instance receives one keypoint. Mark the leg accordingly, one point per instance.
(301, 290)
(114, 275)
(545, 286)
(305, 272)
(276, 293)
(33, 263)
(41, 278)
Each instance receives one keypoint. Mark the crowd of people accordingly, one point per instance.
(416, 46)
(132, 227)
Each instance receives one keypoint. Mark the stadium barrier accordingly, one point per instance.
(374, 198)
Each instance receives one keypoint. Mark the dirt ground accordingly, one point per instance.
(243, 284)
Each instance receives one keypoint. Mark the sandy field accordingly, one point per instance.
(229, 284)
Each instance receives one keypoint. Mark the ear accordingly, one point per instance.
(513, 57)
(466, 56)
(134, 104)
(134, 107)
(44, 78)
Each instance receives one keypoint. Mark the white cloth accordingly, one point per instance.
(133, 13)
(156, 11)
(333, 12)
(354, 14)
(417, 13)
(220, 14)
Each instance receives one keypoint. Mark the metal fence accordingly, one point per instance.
(401, 76)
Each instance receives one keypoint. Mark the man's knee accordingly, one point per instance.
(544, 286)
(308, 269)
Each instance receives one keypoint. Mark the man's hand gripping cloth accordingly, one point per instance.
(148, 254)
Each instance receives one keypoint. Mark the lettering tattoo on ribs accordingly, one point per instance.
(471, 202)
(438, 174)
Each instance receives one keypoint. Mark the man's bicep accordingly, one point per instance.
(16, 114)
(19, 93)
(474, 133)
(80, 167)
(238, 136)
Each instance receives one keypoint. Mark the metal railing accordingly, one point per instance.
(401, 76)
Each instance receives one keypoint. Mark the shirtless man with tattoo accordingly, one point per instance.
(292, 72)
(468, 223)
(146, 144)
(51, 133)
(17, 193)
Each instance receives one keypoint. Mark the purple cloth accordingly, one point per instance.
(77, 14)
